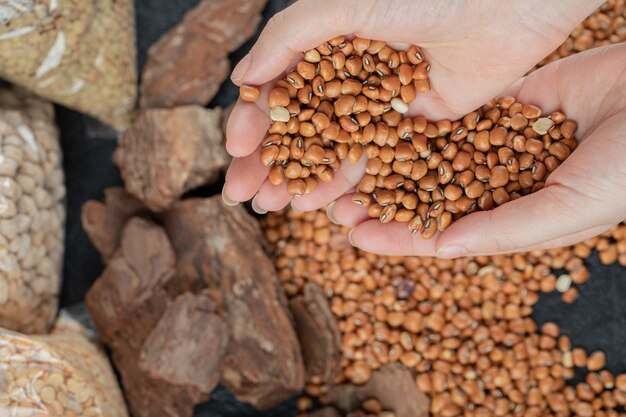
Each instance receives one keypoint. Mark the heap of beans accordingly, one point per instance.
(604, 27)
(347, 98)
(342, 96)
(442, 171)
(463, 325)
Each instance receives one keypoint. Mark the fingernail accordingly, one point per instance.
(350, 239)
(329, 212)
(293, 207)
(452, 251)
(240, 69)
(256, 208)
(227, 200)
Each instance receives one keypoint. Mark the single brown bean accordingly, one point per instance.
(559, 150)
(307, 70)
(249, 93)
(499, 176)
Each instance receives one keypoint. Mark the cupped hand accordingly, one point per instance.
(476, 50)
(582, 198)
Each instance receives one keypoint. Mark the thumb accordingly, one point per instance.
(584, 197)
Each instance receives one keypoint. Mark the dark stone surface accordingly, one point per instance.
(597, 320)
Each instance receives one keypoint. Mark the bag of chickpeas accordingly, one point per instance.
(63, 374)
(79, 53)
(32, 213)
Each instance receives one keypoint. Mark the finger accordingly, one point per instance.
(245, 176)
(271, 197)
(247, 124)
(557, 215)
(587, 190)
(392, 239)
(293, 30)
(594, 73)
(347, 177)
(570, 239)
(344, 211)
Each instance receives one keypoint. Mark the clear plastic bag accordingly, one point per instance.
(79, 53)
(63, 374)
(32, 213)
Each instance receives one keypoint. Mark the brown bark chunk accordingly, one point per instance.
(104, 222)
(325, 412)
(188, 64)
(319, 336)
(188, 326)
(130, 306)
(220, 246)
(168, 152)
(393, 385)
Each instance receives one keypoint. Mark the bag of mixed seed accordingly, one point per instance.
(32, 213)
(63, 374)
(79, 53)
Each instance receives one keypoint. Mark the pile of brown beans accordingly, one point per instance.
(347, 98)
(604, 27)
(463, 325)
(342, 96)
(443, 171)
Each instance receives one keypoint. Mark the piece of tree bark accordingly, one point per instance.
(325, 412)
(190, 62)
(318, 334)
(135, 314)
(188, 326)
(393, 385)
(104, 222)
(220, 246)
(167, 152)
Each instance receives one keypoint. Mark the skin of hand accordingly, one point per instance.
(476, 48)
(582, 198)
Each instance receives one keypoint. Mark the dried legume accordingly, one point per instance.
(32, 213)
(463, 325)
(62, 374)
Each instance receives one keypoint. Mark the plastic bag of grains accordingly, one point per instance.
(79, 53)
(32, 213)
(63, 374)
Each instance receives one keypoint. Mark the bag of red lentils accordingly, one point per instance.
(63, 374)
(79, 53)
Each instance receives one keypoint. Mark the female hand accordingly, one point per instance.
(477, 49)
(582, 198)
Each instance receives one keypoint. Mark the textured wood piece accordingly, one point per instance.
(319, 336)
(104, 221)
(139, 319)
(190, 62)
(167, 152)
(393, 385)
(188, 326)
(325, 412)
(220, 246)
